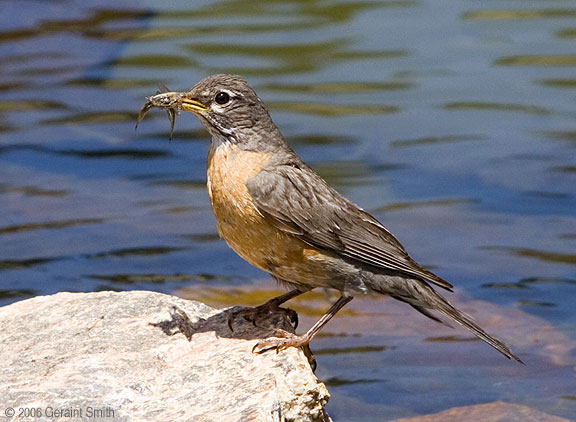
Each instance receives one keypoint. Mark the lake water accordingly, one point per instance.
(453, 122)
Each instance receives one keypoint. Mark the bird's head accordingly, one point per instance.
(231, 111)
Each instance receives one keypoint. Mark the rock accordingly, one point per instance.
(147, 356)
(489, 412)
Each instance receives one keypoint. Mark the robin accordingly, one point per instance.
(280, 216)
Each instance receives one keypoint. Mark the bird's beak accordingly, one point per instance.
(192, 106)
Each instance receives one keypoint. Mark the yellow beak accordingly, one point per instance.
(192, 106)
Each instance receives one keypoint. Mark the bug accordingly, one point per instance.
(164, 99)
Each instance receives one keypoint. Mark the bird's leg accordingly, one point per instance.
(286, 339)
(271, 306)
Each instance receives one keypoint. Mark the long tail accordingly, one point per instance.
(424, 298)
(464, 320)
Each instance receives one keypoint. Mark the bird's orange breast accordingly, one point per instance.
(249, 233)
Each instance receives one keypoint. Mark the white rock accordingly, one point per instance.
(126, 356)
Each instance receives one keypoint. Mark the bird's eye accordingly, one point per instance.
(222, 98)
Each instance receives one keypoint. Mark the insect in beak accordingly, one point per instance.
(164, 99)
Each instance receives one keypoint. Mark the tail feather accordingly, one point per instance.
(464, 320)
(424, 298)
(427, 313)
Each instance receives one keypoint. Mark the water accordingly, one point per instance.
(452, 122)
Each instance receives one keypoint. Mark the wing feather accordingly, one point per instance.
(298, 201)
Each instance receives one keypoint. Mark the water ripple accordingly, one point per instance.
(48, 225)
(537, 60)
(339, 87)
(332, 110)
(142, 251)
(519, 14)
(475, 105)
(154, 278)
(19, 264)
(545, 256)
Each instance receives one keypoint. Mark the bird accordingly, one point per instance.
(278, 214)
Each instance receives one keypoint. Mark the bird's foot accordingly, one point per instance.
(282, 340)
(262, 313)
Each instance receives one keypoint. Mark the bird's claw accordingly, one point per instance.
(282, 340)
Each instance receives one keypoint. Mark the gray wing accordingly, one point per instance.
(298, 201)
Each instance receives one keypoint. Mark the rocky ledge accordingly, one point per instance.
(147, 356)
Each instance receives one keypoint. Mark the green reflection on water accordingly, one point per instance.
(472, 105)
(20, 294)
(432, 140)
(152, 34)
(339, 87)
(537, 303)
(97, 23)
(450, 339)
(152, 60)
(93, 117)
(512, 285)
(86, 26)
(328, 12)
(48, 225)
(349, 350)
(519, 14)
(17, 34)
(567, 33)
(558, 83)
(299, 52)
(96, 18)
(319, 139)
(25, 105)
(331, 110)
(113, 83)
(139, 154)
(18, 264)
(557, 257)
(9, 86)
(568, 135)
(291, 58)
(537, 60)
(154, 278)
(33, 56)
(144, 251)
(560, 258)
(527, 282)
(50, 70)
(338, 381)
(32, 190)
(133, 154)
(565, 169)
(397, 206)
